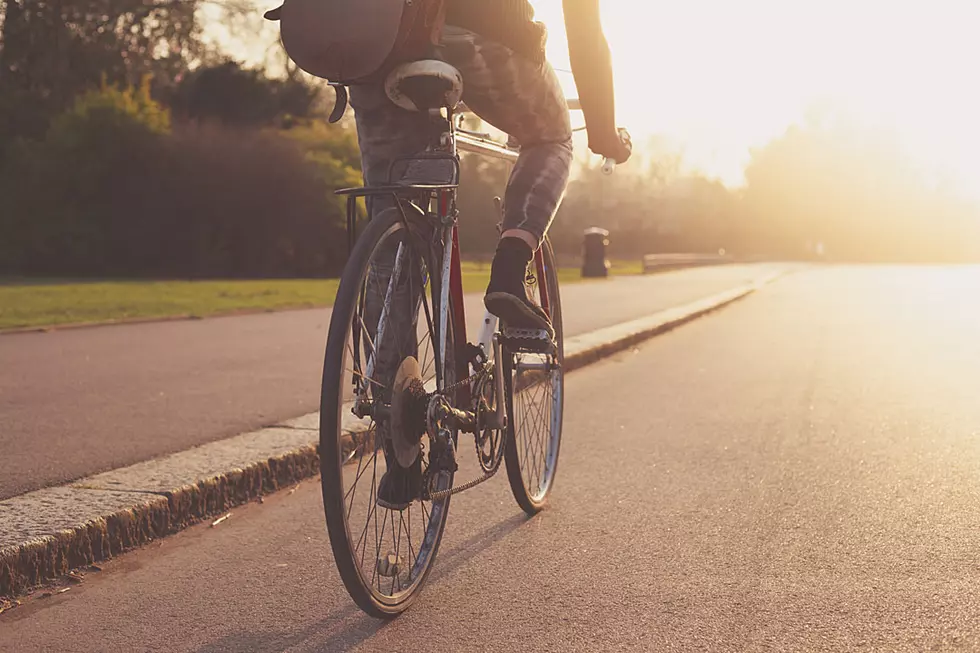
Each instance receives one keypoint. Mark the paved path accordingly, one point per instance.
(78, 402)
(800, 471)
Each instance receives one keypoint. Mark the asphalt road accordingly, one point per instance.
(800, 471)
(78, 402)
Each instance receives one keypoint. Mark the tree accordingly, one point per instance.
(852, 188)
(65, 206)
(52, 50)
(233, 95)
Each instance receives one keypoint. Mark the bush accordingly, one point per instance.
(61, 211)
(232, 95)
(242, 204)
(113, 191)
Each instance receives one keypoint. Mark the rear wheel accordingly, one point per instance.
(534, 388)
(386, 311)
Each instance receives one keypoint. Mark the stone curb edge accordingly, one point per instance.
(592, 347)
(155, 515)
(142, 516)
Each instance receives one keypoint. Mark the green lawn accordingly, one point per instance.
(42, 304)
(37, 303)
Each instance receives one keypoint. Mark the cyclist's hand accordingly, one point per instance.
(615, 146)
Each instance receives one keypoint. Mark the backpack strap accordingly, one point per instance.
(340, 103)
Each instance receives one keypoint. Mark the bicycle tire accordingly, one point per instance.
(520, 454)
(334, 459)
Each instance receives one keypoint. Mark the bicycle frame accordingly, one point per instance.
(452, 139)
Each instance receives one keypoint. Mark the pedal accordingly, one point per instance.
(534, 341)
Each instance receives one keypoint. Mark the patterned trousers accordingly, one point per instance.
(512, 93)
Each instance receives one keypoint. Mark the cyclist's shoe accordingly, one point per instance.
(400, 487)
(507, 295)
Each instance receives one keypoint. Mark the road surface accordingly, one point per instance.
(800, 471)
(78, 402)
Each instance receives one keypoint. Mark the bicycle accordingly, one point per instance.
(401, 384)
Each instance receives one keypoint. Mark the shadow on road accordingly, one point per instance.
(347, 627)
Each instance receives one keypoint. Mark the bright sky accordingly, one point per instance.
(718, 77)
(722, 76)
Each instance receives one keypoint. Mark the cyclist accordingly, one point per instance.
(499, 49)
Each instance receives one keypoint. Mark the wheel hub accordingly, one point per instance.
(409, 404)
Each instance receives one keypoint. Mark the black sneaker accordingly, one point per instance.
(400, 487)
(507, 295)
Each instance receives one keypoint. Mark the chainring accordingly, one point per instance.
(489, 442)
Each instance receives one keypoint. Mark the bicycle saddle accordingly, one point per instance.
(425, 85)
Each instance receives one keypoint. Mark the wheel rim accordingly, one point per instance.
(537, 414)
(391, 550)
(538, 408)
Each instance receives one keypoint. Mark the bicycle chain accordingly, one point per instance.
(473, 377)
(442, 494)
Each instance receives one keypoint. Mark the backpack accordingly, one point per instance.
(351, 42)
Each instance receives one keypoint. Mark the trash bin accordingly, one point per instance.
(594, 263)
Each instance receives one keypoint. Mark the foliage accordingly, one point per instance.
(481, 181)
(225, 171)
(647, 209)
(110, 109)
(111, 192)
(851, 188)
(332, 148)
(52, 50)
(233, 95)
(61, 200)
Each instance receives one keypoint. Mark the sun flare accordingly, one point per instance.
(719, 78)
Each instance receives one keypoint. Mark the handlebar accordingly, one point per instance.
(482, 143)
(608, 165)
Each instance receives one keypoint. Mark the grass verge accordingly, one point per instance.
(42, 303)
(47, 304)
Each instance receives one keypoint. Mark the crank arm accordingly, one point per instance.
(500, 415)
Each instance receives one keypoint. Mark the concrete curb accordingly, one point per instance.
(46, 533)
(592, 347)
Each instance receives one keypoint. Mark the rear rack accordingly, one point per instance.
(394, 189)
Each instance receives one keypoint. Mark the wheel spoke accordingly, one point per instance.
(532, 407)
(538, 433)
(366, 332)
(541, 434)
(366, 378)
(357, 477)
(427, 363)
(411, 553)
